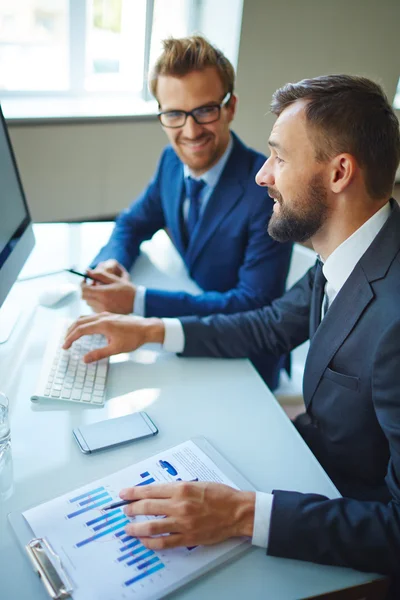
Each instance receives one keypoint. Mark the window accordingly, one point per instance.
(89, 57)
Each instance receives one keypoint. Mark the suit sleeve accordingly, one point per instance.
(347, 532)
(276, 329)
(137, 223)
(261, 277)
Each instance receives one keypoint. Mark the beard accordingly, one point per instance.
(301, 223)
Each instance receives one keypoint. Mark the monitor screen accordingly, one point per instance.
(16, 236)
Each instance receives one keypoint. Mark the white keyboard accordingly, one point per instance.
(65, 377)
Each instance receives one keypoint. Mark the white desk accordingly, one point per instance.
(223, 400)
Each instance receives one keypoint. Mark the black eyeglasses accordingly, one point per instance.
(202, 114)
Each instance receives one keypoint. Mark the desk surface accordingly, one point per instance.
(223, 400)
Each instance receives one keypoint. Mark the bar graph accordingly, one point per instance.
(92, 499)
(145, 574)
(102, 533)
(132, 555)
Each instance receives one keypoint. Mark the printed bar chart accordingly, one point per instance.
(100, 489)
(92, 499)
(143, 575)
(102, 534)
(132, 555)
(109, 514)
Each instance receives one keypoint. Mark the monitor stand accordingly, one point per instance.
(9, 315)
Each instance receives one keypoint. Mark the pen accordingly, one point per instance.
(117, 504)
(85, 275)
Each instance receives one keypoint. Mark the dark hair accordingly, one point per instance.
(349, 114)
(184, 55)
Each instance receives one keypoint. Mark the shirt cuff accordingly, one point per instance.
(174, 338)
(139, 301)
(262, 519)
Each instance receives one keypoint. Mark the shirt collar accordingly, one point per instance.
(212, 176)
(342, 261)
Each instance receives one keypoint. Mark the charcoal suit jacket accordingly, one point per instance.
(352, 396)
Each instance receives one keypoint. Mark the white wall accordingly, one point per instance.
(293, 39)
(79, 171)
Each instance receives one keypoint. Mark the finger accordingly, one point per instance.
(163, 490)
(148, 507)
(102, 276)
(98, 354)
(81, 330)
(153, 527)
(166, 541)
(81, 321)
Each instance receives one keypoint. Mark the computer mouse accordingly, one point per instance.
(52, 295)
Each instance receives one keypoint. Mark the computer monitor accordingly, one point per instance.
(16, 233)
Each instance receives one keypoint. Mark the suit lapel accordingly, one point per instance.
(177, 196)
(337, 324)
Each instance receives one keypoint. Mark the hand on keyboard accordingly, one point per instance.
(123, 333)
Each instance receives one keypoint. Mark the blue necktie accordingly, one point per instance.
(193, 190)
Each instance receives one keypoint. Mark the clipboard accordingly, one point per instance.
(55, 577)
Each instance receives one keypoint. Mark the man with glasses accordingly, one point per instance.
(204, 193)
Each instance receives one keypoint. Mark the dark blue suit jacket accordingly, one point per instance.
(352, 396)
(231, 256)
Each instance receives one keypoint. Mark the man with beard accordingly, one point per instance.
(335, 148)
(205, 195)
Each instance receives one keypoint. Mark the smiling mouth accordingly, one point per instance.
(197, 143)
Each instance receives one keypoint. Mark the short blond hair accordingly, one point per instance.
(181, 56)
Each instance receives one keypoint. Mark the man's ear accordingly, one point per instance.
(343, 171)
(231, 108)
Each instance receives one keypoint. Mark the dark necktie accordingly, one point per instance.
(318, 298)
(193, 190)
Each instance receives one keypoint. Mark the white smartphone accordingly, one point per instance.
(114, 432)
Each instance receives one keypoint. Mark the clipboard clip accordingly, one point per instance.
(48, 566)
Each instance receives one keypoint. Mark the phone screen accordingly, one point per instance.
(113, 432)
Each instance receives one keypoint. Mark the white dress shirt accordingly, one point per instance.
(337, 269)
(210, 178)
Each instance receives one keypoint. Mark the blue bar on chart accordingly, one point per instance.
(131, 553)
(140, 558)
(146, 482)
(127, 538)
(101, 534)
(127, 546)
(145, 574)
(93, 498)
(109, 514)
(87, 508)
(120, 533)
(100, 489)
(109, 522)
(148, 563)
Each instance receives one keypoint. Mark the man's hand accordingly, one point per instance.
(194, 513)
(113, 294)
(113, 267)
(123, 333)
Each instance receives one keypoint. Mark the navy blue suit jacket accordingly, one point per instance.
(231, 256)
(352, 396)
